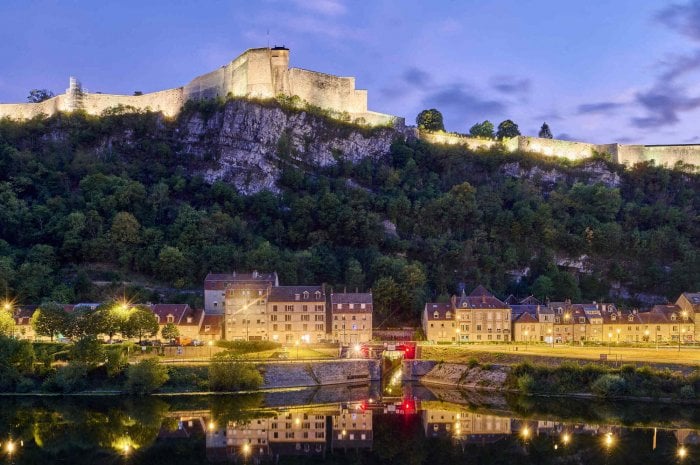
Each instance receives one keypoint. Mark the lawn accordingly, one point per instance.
(515, 353)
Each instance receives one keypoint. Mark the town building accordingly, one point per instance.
(481, 317)
(297, 314)
(689, 303)
(351, 317)
(438, 322)
(245, 308)
(187, 320)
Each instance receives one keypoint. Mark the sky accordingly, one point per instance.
(598, 71)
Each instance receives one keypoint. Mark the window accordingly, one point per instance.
(287, 327)
(274, 308)
(317, 294)
(303, 317)
(207, 328)
(296, 296)
(274, 327)
(304, 327)
(362, 306)
(339, 306)
(304, 308)
(273, 317)
(436, 315)
(306, 295)
(289, 308)
(288, 318)
(319, 308)
(352, 306)
(170, 319)
(318, 318)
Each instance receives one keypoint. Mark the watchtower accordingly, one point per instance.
(279, 63)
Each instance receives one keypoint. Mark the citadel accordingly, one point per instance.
(264, 73)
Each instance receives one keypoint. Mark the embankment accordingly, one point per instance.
(319, 373)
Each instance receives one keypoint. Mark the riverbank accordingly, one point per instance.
(567, 379)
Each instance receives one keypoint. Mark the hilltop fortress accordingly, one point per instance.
(259, 73)
(264, 73)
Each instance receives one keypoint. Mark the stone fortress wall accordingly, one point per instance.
(257, 73)
(628, 155)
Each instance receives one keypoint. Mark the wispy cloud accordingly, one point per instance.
(599, 107)
(460, 98)
(416, 77)
(683, 18)
(663, 104)
(511, 85)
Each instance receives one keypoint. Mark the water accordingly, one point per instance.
(345, 425)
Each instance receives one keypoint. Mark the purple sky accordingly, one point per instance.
(595, 70)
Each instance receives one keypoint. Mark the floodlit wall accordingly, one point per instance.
(169, 102)
(661, 155)
(30, 110)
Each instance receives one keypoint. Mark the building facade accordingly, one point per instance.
(351, 317)
(297, 314)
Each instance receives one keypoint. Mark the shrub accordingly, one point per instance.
(228, 373)
(246, 347)
(68, 378)
(687, 392)
(609, 386)
(146, 376)
(116, 360)
(88, 351)
(472, 363)
(526, 384)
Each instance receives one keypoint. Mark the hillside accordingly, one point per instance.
(87, 201)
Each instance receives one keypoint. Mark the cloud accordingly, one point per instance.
(564, 136)
(511, 84)
(599, 107)
(459, 98)
(416, 77)
(682, 18)
(692, 140)
(553, 116)
(663, 104)
(324, 7)
(680, 65)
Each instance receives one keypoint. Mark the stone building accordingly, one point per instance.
(215, 285)
(187, 320)
(297, 314)
(351, 317)
(352, 428)
(481, 317)
(689, 302)
(439, 323)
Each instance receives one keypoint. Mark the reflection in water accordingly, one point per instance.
(416, 428)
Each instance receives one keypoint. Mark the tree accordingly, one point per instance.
(88, 351)
(545, 132)
(141, 323)
(108, 320)
(146, 376)
(7, 323)
(39, 95)
(170, 332)
(507, 129)
(172, 264)
(484, 129)
(430, 120)
(543, 287)
(50, 320)
(228, 373)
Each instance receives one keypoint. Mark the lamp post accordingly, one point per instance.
(567, 317)
(551, 338)
(618, 336)
(646, 335)
(211, 343)
(609, 342)
(458, 335)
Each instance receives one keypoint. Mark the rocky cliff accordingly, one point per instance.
(245, 143)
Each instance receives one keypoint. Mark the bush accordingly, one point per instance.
(246, 347)
(472, 363)
(687, 392)
(227, 373)
(609, 386)
(146, 376)
(68, 378)
(116, 360)
(88, 351)
(526, 384)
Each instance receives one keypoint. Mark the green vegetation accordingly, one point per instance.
(484, 129)
(506, 129)
(430, 120)
(146, 376)
(545, 132)
(228, 373)
(603, 381)
(87, 200)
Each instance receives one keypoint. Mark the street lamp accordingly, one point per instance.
(682, 331)
(609, 342)
(618, 336)
(682, 452)
(551, 338)
(458, 335)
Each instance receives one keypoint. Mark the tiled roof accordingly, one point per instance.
(694, 299)
(178, 311)
(480, 291)
(480, 298)
(530, 300)
(290, 293)
(526, 318)
(520, 309)
(219, 281)
(214, 322)
(652, 318)
(441, 309)
(357, 300)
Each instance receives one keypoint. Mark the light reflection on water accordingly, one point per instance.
(346, 425)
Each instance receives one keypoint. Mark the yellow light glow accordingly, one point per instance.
(343, 432)
(565, 438)
(297, 421)
(246, 448)
(211, 426)
(10, 447)
(525, 432)
(609, 440)
(682, 452)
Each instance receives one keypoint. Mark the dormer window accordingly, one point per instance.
(352, 306)
(613, 317)
(297, 296)
(436, 315)
(189, 319)
(448, 315)
(317, 294)
(673, 317)
(306, 295)
(630, 318)
(170, 319)
(465, 304)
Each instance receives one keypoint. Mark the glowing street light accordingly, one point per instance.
(682, 452)
(525, 432)
(609, 440)
(565, 438)
(210, 344)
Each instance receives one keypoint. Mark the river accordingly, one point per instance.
(346, 425)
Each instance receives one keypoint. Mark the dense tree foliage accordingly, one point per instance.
(430, 120)
(484, 129)
(506, 129)
(74, 213)
(39, 95)
(545, 132)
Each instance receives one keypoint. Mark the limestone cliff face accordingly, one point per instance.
(245, 143)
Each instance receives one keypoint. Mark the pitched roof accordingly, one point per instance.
(511, 300)
(297, 293)
(531, 300)
(480, 298)
(340, 303)
(441, 308)
(520, 309)
(213, 321)
(179, 312)
(694, 299)
(526, 318)
(220, 281)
